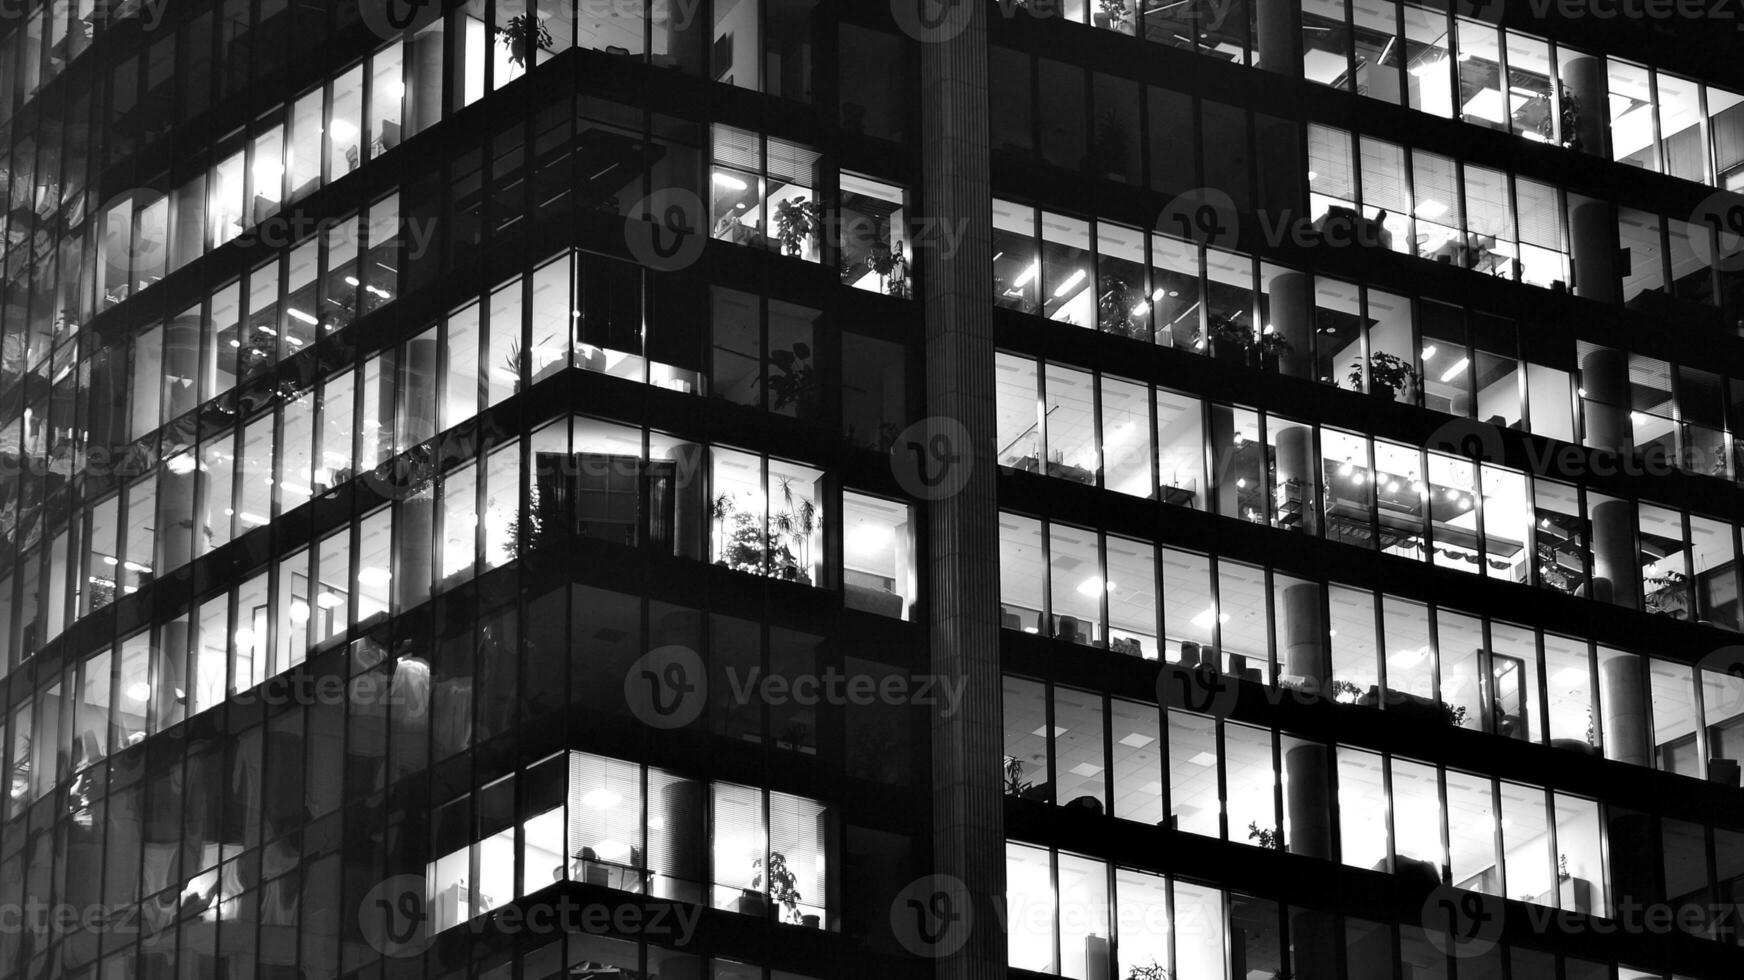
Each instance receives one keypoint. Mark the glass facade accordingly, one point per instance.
(396, 547)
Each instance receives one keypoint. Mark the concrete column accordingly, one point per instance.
(1293, 322)
(689, 515)
(1308, 792)
(1226, 495)
(425, 58)
(181, 366)
(175, 504)
(1315, 939)
(1604, 376)
(683, 849)
(1296, 462)
(1593, 240)
(1304, 653)
(962, 580)
(1616, 562)
(1276, 36)
(1584, 79)
(415, 524)
(1624, 711)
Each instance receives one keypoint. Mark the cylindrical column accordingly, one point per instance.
(1227, 496)
(415, 524)
(1292, 322)
(1585, 105)
(1309, 801)
(1593, 240)
(1616, 563)
(1296, 503)
(687, 504)
(680, 849)
(1276, 28)
(1605, 382)
(1305, 636)
(1625, 710)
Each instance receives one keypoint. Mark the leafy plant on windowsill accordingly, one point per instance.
(1150, 971)
(1454, 713)
(796, 384)
(890, 265)
(1347, 689)
(1116, 12)
(1668, 596)
(797, 222)
(797, 522)
(522, 35)
(783, 885)
(1117, 306)
(1015, 784)
(1108, 152)
(1264, 837)
(1389, 374)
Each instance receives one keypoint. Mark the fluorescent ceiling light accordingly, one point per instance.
(1454, 372)
(1070, 284)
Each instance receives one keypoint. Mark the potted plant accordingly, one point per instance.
(796, 735)
(890, 265)
(1229, 339)
(1015, 784)
(1150, 971)
(797, 522)
(1269, 839)
(796, 384)
(1118, 307)
(1113, 15)
(1272, 348)
(797, 221)
(782, 884)
(1389, 374)
(523, 35)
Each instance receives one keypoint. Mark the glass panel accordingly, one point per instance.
(1193, 795)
